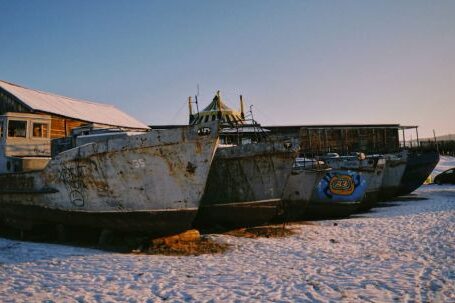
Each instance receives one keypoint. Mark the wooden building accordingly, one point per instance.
(343, 139)
(66, 113)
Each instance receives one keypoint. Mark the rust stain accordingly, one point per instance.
(98, 184)
(198, 147)
(170, 165)
(191, 168)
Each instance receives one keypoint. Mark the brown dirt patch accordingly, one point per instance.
(305, 223)
(203, 245)
(189, 243)
(262, 231)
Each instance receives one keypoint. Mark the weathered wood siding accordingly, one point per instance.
(61, 126)
(348, 140)
(341, 139)
(9, 103)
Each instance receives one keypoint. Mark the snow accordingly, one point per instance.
(400, 253)
(445, 163)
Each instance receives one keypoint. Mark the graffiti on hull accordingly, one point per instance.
(336, 186)
(72, 177)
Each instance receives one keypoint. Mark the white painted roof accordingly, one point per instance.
(72, 108)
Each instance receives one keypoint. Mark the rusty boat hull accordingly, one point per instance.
(395, 166)
(245, 185)
(419, 165)
(298, 192)
(371, 168)
(146, 183)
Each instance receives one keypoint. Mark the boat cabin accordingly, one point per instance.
(25, 143)
(236, 128)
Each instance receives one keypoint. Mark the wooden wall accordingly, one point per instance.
(341, 139)
(9, 103)
(345, 140)
(61, 126)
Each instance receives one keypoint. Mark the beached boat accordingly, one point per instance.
(371, 168)
(305, 176)
(394, 168)
(147, 182)
(317, 191)
(248, 174)
(419, 165)
(245, 185)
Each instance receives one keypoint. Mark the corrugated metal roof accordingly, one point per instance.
(72, 108)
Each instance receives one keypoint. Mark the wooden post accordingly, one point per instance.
(327, 149)
(319, 140)
(346, 140)
(435, 141)
(404, 138)
(417, 134)
(374, 139)
(309, 140)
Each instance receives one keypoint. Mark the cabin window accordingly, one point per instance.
(40, 130)
(17, 128)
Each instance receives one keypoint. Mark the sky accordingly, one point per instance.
(296, 62)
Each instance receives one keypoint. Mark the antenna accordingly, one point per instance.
(251, 112)
(195, 98)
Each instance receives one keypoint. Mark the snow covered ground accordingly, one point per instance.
(400, 253)
(445, 163)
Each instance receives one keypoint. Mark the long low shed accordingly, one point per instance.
(370, 138)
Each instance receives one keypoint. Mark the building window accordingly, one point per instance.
(40, 130)
(1, 129)
(17, 128)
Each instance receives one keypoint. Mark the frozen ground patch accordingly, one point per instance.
(445, 163)
(401, 253)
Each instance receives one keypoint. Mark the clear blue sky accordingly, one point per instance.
(297, 62)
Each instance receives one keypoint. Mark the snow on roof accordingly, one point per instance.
(72, 108)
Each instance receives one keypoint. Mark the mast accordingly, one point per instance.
(190, 109)
(242, 113)
(218, 104)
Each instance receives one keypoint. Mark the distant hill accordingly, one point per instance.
(449, 137)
